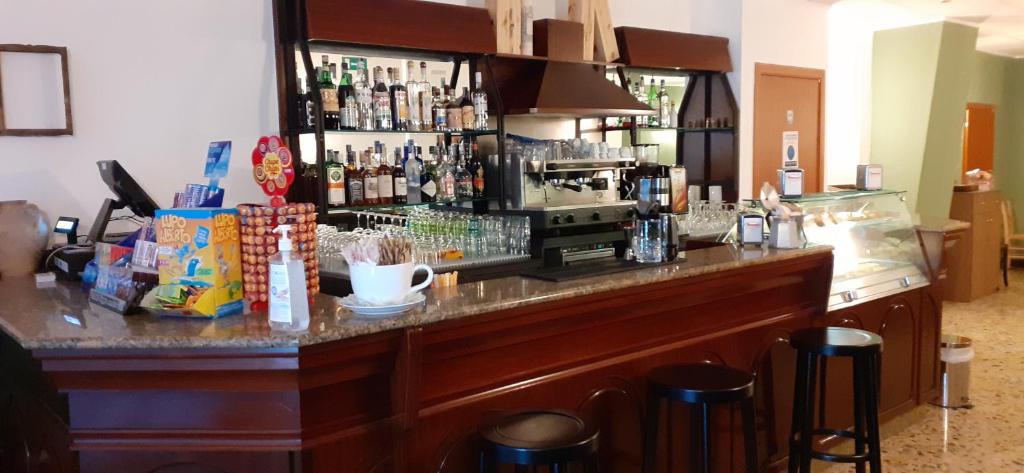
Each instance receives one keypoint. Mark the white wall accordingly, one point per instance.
(783, 32)
(851, 28)
(152, 83)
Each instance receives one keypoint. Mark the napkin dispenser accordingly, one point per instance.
(786, 232)
(869, 177)
(791, 182)
(750, 229)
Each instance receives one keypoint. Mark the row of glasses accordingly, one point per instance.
(708, 218)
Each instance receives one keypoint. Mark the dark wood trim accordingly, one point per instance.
(65, 76)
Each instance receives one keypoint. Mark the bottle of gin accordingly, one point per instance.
(364, 101)
(347, 99)
(412, 92)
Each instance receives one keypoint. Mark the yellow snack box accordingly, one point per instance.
(199, 252)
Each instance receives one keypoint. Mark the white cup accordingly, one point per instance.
(383, 285)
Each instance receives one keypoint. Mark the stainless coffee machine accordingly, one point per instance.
(570, 189)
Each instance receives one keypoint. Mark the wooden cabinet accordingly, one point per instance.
(974, 268)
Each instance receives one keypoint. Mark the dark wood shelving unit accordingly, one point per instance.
(710, 154)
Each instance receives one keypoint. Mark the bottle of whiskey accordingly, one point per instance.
(425, 99)
(399, 101)
(347, 100)
(369, 174)
(480, 104)
(440, 114)
(353, 179)
(428, 179)
(476, 170)
(364, 100)
(328, 97)
(400, 183)
(335, 181)
(385, 182)
(381, 101)
(452, 110)
(412, 92)
(468, 113)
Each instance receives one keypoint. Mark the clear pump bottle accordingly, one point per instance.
(289, 307)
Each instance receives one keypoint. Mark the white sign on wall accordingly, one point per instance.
(790, 149)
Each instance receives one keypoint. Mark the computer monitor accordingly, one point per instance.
(129, 194)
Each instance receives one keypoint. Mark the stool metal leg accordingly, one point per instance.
(651, 433)
(871, 407)
(706, 436)
(822, 380)
(696, 438)
(806, 431)
(859, 388)
(799, 390)
(750, 435)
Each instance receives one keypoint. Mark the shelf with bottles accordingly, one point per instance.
(384, 207)
(485, 132)
(708, 130)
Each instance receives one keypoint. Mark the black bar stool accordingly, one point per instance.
(865, 348)
(699, 385)
(533, 438)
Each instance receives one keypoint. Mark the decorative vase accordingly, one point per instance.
(24, 233)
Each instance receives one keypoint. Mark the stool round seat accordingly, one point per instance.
(701, 382)
(836, 341)
(539, 437)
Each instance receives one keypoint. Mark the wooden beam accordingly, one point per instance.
(507, 17)
(581, 11)
(604, 32)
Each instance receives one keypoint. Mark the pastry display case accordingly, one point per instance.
(877, 251)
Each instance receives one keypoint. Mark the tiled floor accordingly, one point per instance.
(990, 437)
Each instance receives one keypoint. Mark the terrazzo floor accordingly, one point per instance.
(990, 437)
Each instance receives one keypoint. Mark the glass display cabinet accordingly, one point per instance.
(877, 250)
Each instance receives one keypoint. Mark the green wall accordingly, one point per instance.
(1010, 159)
(903, 80)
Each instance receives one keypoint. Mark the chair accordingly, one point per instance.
(1013, 242)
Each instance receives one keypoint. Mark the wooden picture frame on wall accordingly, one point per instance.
(8, 120)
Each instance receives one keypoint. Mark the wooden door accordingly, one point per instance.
(979, 137)
(788, 99)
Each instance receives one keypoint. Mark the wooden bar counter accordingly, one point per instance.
(86, 390)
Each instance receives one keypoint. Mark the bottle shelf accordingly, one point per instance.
(406, 132)
(708, 130)
(345, 210)
(661, 128)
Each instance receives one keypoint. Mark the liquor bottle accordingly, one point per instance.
(446, 177)
(346, 75)
(476, 170)
(328, 97)
(399, 181)
(664, 107)
(412, 92)
(385, 182)
(335, 181)
(364, 100)
(652, 101)
(463, 180)
(353, 179)
(302, 104)
(347, 101)
(381, 101)
(452, 110)
(425, 99)
(413, 169)
(370, 184)
(480, 104)
(468, 112)
(440, 114)
(428, 179)
(399, 101)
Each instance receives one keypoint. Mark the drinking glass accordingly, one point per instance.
(647, 241)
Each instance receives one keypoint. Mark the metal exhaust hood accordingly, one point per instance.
(530, 85)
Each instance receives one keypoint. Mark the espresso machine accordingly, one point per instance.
(570, 189)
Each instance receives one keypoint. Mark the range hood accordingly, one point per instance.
(532, 85)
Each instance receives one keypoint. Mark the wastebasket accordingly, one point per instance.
(956, 355)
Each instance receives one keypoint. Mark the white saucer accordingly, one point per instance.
(351, 302)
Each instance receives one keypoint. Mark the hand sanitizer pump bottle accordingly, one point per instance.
(289, 307)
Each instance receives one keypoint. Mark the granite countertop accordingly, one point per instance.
(61, 317)
(929, 223)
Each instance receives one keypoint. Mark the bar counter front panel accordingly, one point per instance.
(141, 394)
